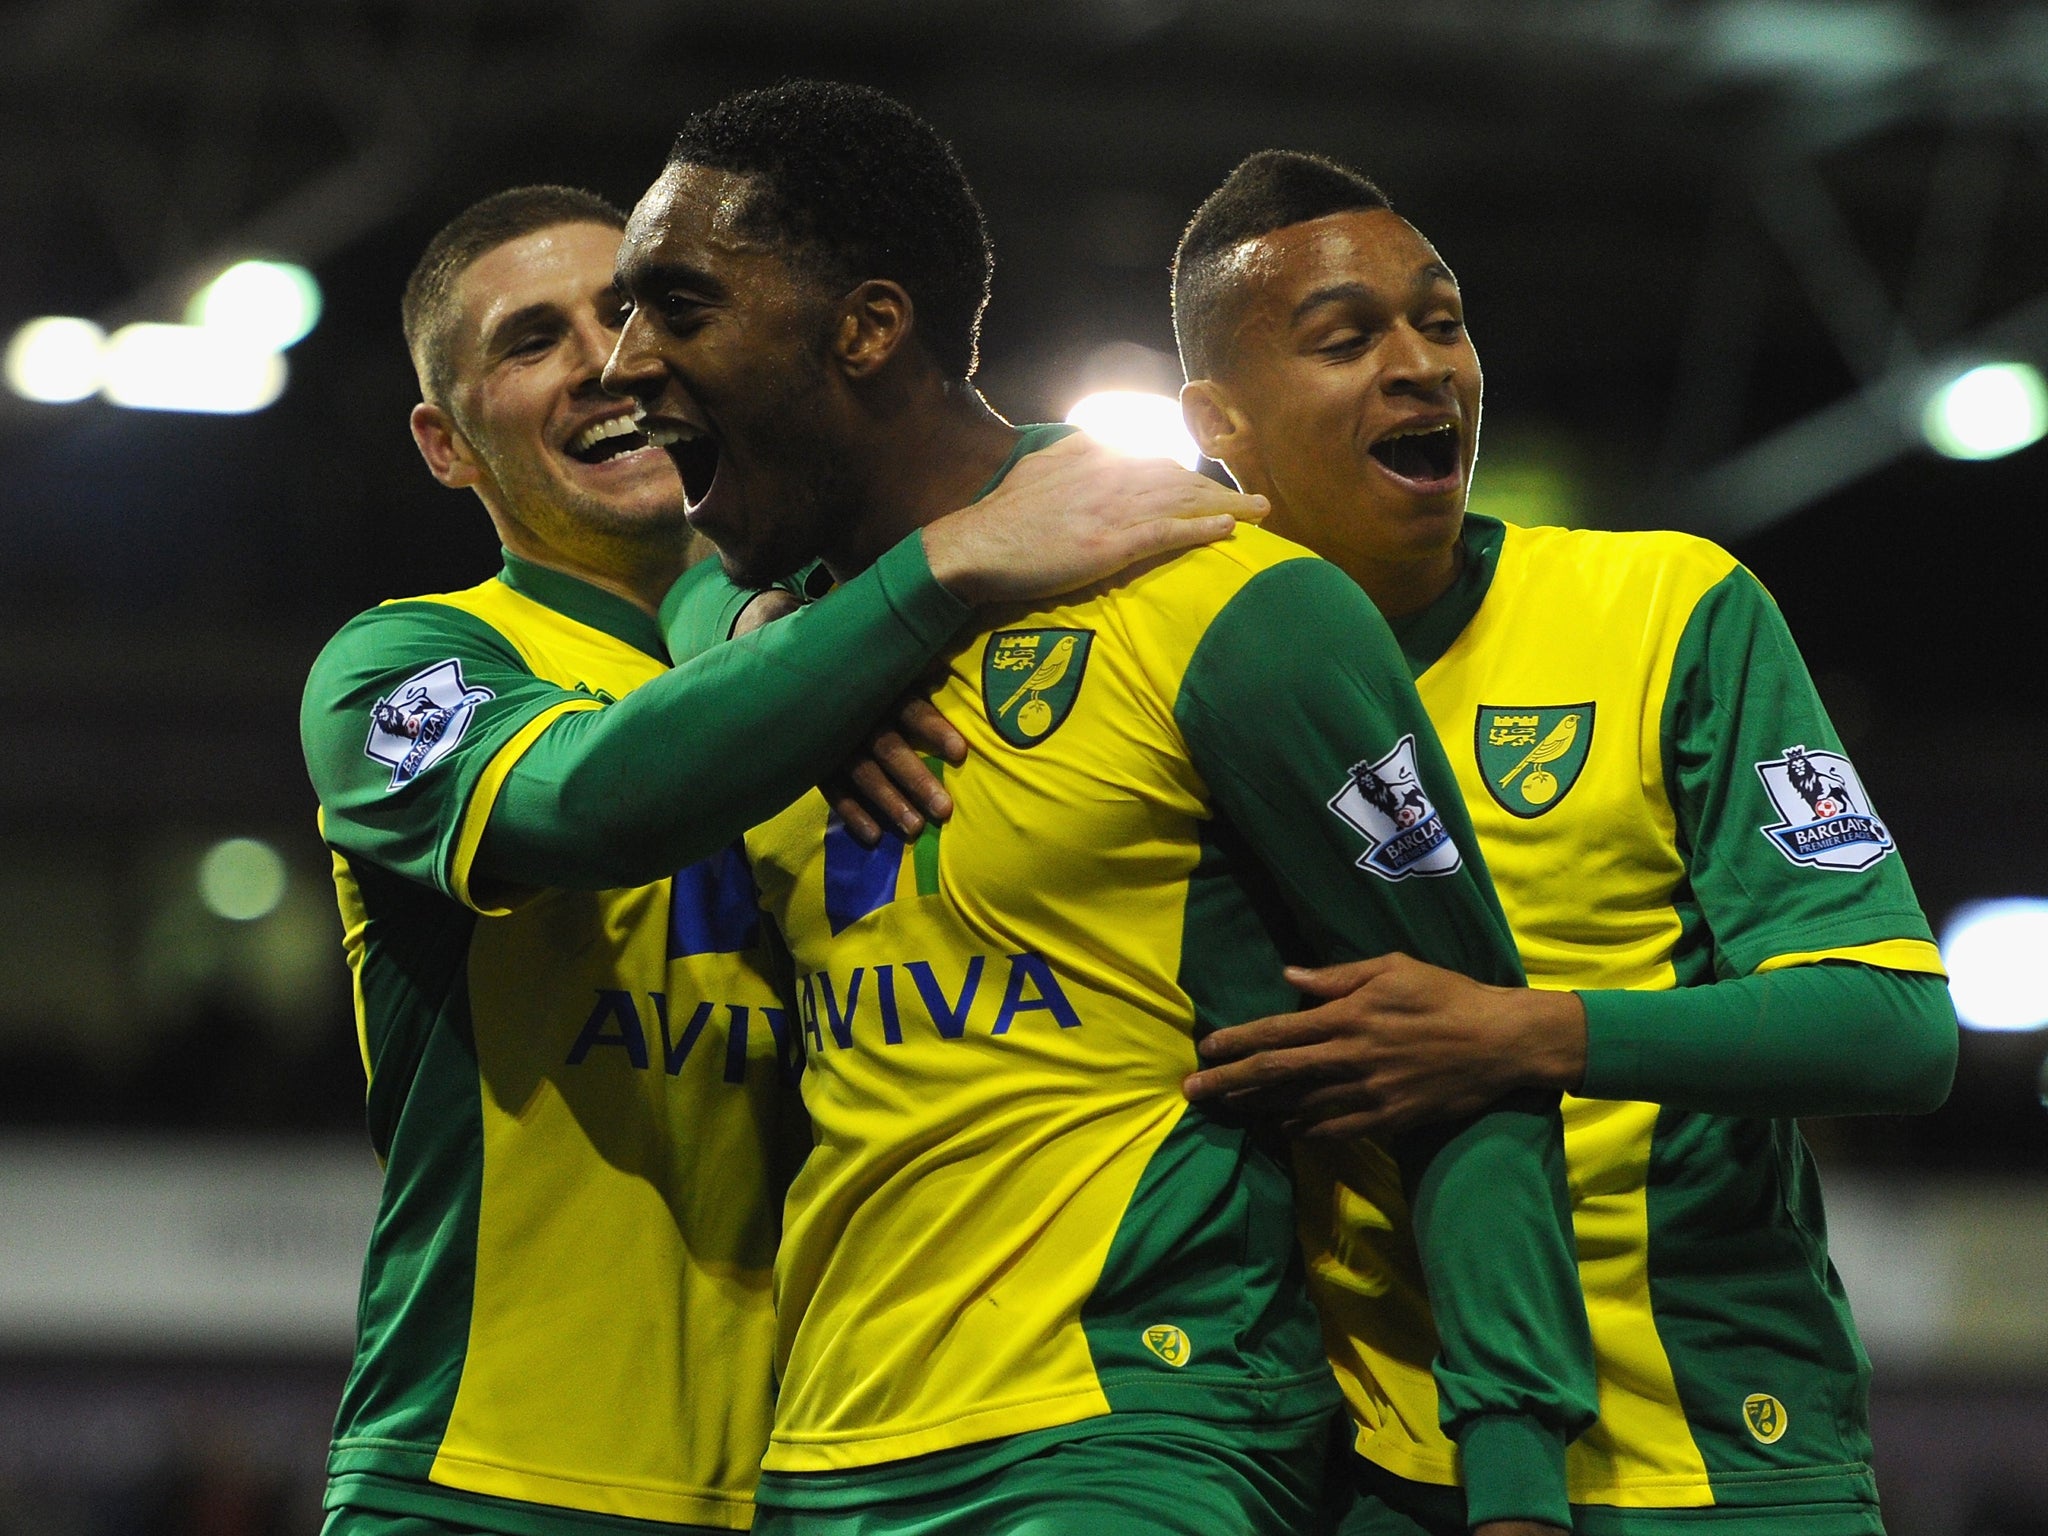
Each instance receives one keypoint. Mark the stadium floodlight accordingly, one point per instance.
(1143, 425)
(1996, 953)
(55, 360)
(1987, 412)
(268, 304)
(241, 879)
(189, 368)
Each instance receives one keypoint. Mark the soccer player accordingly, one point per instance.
(1717, 930)
(577, 1074)
(1023, 1287)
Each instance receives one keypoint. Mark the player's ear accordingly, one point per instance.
(1217, 423)
(443, 446)
(875, 320)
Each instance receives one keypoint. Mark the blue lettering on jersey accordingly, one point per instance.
(616, 1021)
(885, 993)
(858, 880)
(1033, 969)
(950, 1018)
(673, 1056)
(827, 1008)
(840, 1024)
(714, 908)
(613, 1007)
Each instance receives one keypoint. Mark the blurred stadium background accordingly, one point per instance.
(1723, 259)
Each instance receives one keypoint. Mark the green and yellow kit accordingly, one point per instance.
(1663, 804)
(1012, 1229)
(581, 1086)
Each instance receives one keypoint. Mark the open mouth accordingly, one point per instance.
(695, 453)
(1424, 455)
(603, 441)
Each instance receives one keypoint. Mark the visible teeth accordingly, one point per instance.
(671, 433)
(591, 436)
(1415, 432)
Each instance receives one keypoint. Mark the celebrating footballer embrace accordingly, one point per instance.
(1313, 1044)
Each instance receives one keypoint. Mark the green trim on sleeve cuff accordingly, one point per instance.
(1833, 1038)
(1513, 1470)
(928, 611)
(1616, 1030)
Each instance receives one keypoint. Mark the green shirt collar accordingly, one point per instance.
(1426, 635)
(574, 598)
(1029, 440)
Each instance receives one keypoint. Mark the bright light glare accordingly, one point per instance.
(241, 879)
(267, 304)
(189, 368)
(1145, 426)
(1988, 412)
(55, 359)
(1996, 953)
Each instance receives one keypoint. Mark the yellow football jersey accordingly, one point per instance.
(583, 1101)
(1011, 1220)
(1619, 710)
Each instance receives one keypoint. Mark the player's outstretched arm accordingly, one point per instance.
(685, 763)
(1319, 754)
(1399, 1043)
(1074, 513)
(1842, 1009)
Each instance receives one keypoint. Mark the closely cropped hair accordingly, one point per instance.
(427, 310)
(852, 185)
(1268, 191)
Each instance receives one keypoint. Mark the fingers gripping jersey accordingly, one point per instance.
(580, 1099)
(1621, 711)
(1011, 1219)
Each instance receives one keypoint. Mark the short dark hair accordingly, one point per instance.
(852, 185)
(479, 229)
(1269, 190)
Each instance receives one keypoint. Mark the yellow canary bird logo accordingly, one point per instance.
(1030, 680)
(1540, 787)
(1036, 716)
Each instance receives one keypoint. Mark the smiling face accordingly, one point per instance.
(527, 422)
(727, 350)
(1348, 392)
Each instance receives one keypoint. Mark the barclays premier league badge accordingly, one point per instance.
(1386, 804)
(1825, 820)
(420, 721)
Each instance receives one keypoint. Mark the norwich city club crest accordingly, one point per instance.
(1530, 756)
(1030, 679)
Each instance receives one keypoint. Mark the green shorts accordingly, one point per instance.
(350, 1521)
(1166, 1477)
(354, 1520)
(1385, 1505)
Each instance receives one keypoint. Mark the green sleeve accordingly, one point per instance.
(704, 604)
(1830, 1039)
(453, 693)
(684, 764)
(1772, 875)
(1296, 686)
(1739, 703)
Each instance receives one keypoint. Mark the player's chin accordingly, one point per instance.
(747, 563)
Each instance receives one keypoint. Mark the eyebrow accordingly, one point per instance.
(518, 320)
(672, 274)
(1428, 274)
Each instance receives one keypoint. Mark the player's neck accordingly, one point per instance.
(922, 463)
(640, 575)
(1400, 588)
